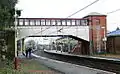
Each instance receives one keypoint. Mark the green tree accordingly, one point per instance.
(7, 12)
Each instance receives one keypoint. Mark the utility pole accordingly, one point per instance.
(16, 59)
(17, 14)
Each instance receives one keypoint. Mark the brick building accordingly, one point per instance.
(97, 31)
(113, 42)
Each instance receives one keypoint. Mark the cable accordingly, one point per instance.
(113, 11)
(72, 14)
(76, 12)
(83, 8)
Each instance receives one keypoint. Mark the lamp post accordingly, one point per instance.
(17, 14)
(16, 59)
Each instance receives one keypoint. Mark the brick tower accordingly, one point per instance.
(97, 31)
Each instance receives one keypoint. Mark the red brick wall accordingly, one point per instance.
(113, 44)
(94, 33)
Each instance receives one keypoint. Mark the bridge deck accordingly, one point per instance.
(51, 22)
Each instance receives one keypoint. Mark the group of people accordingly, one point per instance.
(28, 52)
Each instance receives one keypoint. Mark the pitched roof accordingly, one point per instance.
(114, 33)
(95, 14)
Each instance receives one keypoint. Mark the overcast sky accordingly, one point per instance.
(63, 8)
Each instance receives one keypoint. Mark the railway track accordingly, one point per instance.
(106, 65)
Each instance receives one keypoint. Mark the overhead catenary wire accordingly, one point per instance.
(83, 8)
(113, 11)
(73, 14)
(107, 14)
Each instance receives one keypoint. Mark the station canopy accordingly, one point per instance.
(114, 33)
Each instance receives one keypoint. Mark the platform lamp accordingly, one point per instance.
(17, 14)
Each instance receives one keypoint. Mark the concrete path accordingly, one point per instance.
(68, 68)
(65, 53)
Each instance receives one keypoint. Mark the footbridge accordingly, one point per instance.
(34, 27)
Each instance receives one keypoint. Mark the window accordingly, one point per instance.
(20, 21)
(78, 22)
(48, 22)
(53, 22)
(58, 22)
(42, 22)
(32, 22)
(26, 22)
(68, 22)
(37, 22)
(63, 22)
(83, 22)
(73, 22)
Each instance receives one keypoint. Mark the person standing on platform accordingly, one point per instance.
(29, 52)
(26, 51)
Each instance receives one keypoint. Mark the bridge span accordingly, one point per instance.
(52, 26)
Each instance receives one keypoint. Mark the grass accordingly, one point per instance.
(29, 66)
(32, 66)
